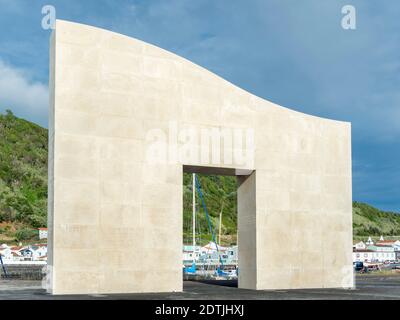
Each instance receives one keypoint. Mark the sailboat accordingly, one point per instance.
(192, 268)
(219, 272)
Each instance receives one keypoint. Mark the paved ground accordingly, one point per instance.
(368, 287)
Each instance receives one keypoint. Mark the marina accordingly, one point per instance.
(211, 261)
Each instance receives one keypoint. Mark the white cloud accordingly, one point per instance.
(26, 98)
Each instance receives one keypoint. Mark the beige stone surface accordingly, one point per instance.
(115, 218)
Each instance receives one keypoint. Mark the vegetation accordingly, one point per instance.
(220, 196)
(23, 175)
(369, 221)
(23, 193)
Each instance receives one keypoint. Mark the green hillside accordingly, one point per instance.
(23, 177)
(220, 196)
(369, 221)
(23, 192)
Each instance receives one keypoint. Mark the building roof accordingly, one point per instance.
(386, 242)
(383, 245)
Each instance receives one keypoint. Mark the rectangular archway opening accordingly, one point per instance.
(210, 224)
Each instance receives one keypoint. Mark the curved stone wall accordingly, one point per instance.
(126, 118)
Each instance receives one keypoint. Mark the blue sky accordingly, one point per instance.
(294, 53)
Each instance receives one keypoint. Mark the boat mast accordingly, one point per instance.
(220, 223)
(194, 215)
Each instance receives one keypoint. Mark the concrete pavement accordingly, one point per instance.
(368, 287)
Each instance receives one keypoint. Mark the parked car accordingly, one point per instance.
(27, 253)
(358, 266)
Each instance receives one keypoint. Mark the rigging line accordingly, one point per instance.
(198, 186)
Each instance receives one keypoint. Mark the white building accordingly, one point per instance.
(369, 242)
(359, 246)
(38, 251)
(363, 255)
(42, 233)
(190, 253)
(5, 252)
(389, 246)
(392, 243)
(209, 254)
(374, 254)
(29, 253)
